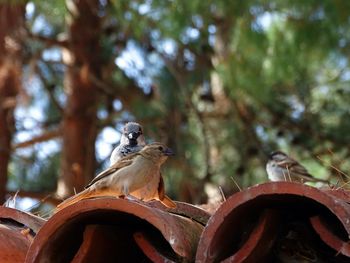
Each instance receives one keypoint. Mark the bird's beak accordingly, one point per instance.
(133, 135)
(168, 152)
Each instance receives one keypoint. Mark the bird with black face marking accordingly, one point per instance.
(127, 175)
(281, 167)
(131, 141)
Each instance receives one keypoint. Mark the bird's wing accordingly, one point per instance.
(299, 169)
(292, 165)
(115, 156)
(123, 162)
(296, 168)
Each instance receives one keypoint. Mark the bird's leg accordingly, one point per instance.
(126, 194)
(125, 190)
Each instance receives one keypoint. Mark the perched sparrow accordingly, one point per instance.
(131, 141)
(281, 167)
(127, 175)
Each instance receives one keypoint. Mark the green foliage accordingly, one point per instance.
(34, 173)
(54, 11)
(13, 2)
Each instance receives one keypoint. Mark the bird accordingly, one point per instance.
(127, 175)
(281, 167)
(131, 141)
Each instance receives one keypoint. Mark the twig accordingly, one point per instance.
(14, 199)
(38, 203)
(222, 194)
(342, 186)
(49, 197)
(44, 215)
(7, 202)
(290, 179)
(240, 189)
(335, 168)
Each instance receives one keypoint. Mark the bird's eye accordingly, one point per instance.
(160, 148)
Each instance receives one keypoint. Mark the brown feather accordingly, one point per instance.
(161, 188)
(129, 175)
(162, 197)
(75, 198)
(125, 161)
(148, 194)
(295, 168)
(167, 202)
(86, 194)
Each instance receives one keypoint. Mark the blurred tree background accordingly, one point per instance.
(221, 82)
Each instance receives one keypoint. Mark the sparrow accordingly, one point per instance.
(129, 174)
(131, 141)
(281, 167)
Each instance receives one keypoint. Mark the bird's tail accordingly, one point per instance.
(167, 202)
(75, 198)
(88, 193)
(313, 179)
(321, 180)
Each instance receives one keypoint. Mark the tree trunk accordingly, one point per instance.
(79, 125)
(11, 31)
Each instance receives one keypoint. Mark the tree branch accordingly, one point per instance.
(181, 78)
(49, 87)
(47, 40)
(127, 95)
(48, 135)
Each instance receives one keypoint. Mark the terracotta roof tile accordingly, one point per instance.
(119, 229)
(275, 221)
(17, 230)
(271, 222)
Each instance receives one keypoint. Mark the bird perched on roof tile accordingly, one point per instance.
(281, 167)
(131, 141)
(127, 175)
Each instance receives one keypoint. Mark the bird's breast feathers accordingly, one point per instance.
(134, 176)
(122, 151)
(275, 172)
